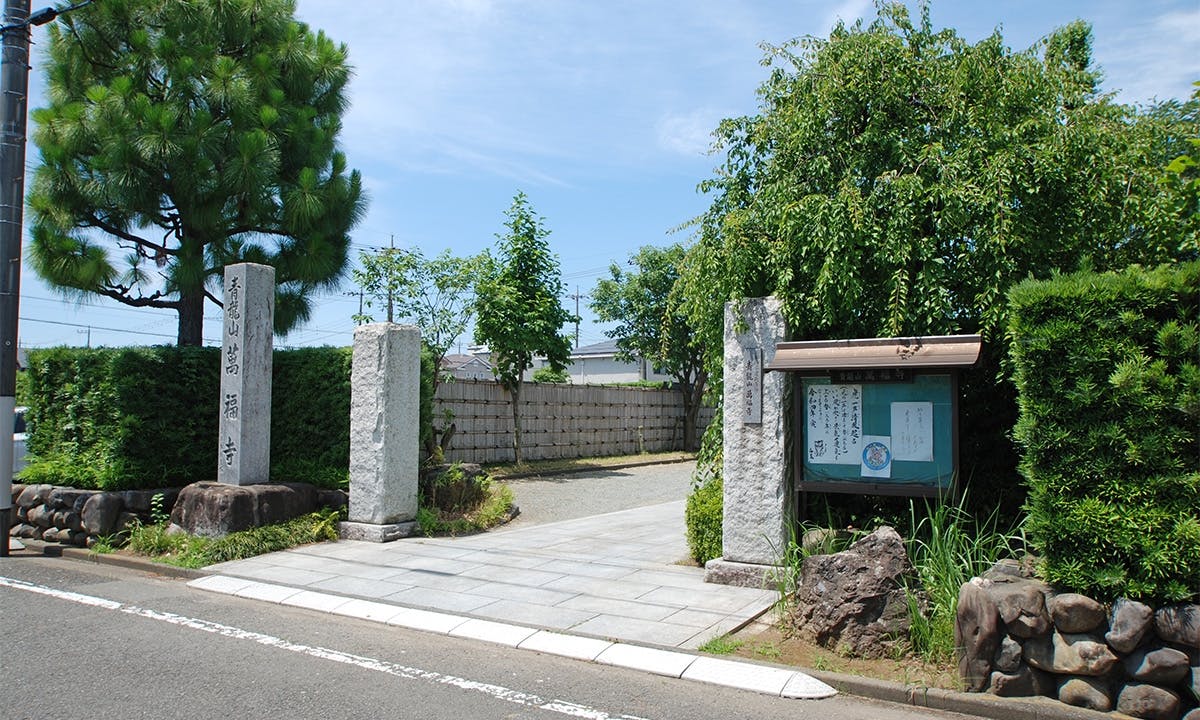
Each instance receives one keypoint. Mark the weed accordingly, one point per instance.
(721, 645)
(822, 662)
(106, 544)
(768, 650)
(158, 515)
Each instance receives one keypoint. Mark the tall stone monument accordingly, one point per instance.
(385, 398)
(244, 444)
(757, 455)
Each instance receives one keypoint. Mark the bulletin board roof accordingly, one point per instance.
(930, 351)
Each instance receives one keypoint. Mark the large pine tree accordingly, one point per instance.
(183, 135)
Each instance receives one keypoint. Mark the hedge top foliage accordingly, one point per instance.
(1107, 367)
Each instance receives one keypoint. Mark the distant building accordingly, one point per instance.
(468, 367)
(597, 364)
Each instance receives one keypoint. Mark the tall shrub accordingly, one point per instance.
(1107, 369)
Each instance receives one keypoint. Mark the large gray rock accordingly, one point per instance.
(1022, 605)
(855, 600)
(1075, 613)
(1086, 692)
(1160, 666)
(41, 516)
(1070, 654)
(1149, 702)
(1128, 625)
(100, 513)
(1179, 624)
(142, 501)
(215, 509)
(977, 636)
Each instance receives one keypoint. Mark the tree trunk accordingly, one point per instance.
(191, 318)
(693, 394)
(514, 392)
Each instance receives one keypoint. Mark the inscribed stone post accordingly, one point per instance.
(385, 397)
(244, 444)
(756, 425)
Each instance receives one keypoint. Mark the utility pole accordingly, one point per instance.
(391, 251)
(576, 297)
(14, 88)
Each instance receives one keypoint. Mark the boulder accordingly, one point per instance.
(41, 516)
(855, 600)
(24, 530)
(336, 499)
(1070, 654)
(1075, 613)
(100, 513)
(1128, 625)
(126, 521)
(1179, 624)
(62, 498)
(976, 635)
(1008, 655)
(34, 495)
(1086, 692)
(214, 509)
(142, 501)
(1024, 682)
(1193, 715)
(1022, 605)
(1194, 687)
(1148, 702)
(1160, 666)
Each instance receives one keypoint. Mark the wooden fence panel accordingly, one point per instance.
(561, 421)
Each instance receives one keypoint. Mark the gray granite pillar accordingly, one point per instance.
(244, 445)
(385, 398)
(757, 420)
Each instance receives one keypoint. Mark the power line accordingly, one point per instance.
(106, 329)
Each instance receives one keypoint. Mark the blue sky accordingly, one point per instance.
(599, 111)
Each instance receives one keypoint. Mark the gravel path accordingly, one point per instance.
(566, 497)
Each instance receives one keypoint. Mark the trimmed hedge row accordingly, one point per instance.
(1107, 368)
(134, 418)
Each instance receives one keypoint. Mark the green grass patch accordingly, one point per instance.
(191, 551)
(721, 645)
(494, 510)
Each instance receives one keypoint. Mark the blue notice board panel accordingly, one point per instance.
(891, 433)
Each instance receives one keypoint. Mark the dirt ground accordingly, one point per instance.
(763, 641)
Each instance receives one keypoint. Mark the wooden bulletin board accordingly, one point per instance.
(890, 437)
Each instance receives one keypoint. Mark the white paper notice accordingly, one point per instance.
(876, 459)
(912, 431)
(834, 424)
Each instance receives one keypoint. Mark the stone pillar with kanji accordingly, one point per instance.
(244, 444)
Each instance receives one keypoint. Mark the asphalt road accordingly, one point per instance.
(595, 492)
(132, 645)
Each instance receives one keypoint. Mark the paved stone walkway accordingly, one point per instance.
(613, 576)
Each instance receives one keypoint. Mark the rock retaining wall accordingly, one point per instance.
(1020, 637)
(80, 517)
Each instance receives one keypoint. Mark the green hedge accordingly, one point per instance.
(147, 417)
(704, 514)
(1107, 369)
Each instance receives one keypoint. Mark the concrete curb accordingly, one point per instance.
(770, 680)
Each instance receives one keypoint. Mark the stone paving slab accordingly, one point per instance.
(611, 577)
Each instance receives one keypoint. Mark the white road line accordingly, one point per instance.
(496, 692)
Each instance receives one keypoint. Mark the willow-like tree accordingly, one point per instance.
(651, 327)
(519, 313)
(184, 135)
(898, 180)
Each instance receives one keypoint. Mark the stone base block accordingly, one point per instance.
(370, 532)
(760, 577)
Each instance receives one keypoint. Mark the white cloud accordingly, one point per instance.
(688, 133)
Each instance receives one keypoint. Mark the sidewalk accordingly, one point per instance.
(611, 576)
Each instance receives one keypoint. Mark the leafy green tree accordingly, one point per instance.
(181, 136)
(548, 375)
(435, 294)
(650, 326)
(519, 314)
(897, 180)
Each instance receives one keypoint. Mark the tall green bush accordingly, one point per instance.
(704, 513)
(148, 417)
(1107, 368)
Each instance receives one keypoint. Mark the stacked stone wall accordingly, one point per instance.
(1020, 637)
